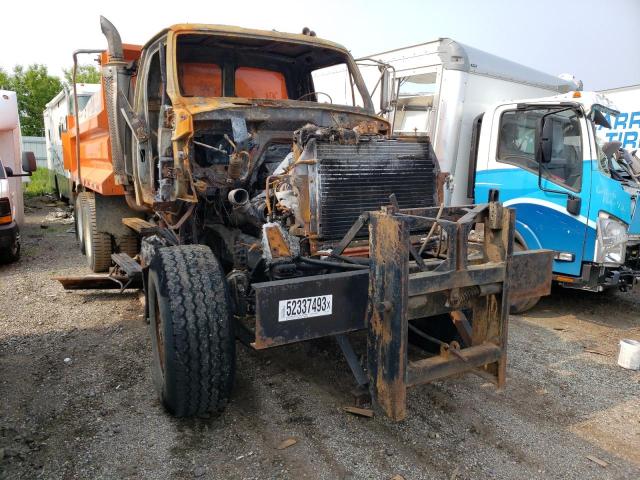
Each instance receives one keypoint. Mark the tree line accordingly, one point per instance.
(35, 87)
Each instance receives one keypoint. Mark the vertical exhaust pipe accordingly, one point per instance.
(114, 42)
(117, 79)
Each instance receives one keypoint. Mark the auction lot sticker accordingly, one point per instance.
(305, 307)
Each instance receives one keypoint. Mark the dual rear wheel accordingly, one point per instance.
(95, 244)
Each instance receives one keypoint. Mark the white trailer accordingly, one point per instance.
(441, 87)
(625, 127)
(10, 153)
(55, 122)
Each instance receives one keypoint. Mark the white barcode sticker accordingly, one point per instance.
(306, 307)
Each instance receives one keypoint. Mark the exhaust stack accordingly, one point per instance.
(117, 81)
(114, 41)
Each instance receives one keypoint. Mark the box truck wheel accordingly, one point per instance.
(522, 306)
(191, 329)
(97, 245)
(78, 219)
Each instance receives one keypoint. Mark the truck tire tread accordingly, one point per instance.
(191, 282)
(128, 244)
(98, 248)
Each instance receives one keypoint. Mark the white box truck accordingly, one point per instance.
(500, 126)
(11, 164)
(625, 127)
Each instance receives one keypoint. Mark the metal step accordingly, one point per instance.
(140, 226)
(128, 265)
(99, 282)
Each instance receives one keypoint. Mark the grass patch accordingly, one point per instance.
(39, 183)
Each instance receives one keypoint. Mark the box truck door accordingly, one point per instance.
(543, 212)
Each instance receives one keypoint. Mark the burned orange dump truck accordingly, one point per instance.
(273, 206)
(99, 195)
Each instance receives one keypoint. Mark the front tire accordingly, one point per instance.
(191, 329)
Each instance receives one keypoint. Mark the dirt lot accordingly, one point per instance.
(96, 414)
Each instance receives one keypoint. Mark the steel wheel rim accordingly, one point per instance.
(80, 222)
(88, 244)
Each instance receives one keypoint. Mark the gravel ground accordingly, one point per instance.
(96, 415)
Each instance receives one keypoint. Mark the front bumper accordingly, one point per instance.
(596, 278)
(9, 235)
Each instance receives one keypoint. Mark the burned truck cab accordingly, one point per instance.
(239, 133)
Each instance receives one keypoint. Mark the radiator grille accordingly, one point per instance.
(356, 178)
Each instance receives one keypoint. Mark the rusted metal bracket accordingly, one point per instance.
(398, 294)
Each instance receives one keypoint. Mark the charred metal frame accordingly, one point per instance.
(482, 278)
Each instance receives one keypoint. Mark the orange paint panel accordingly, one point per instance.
(68, 151)
(100, 179)
(260, 83)
(200, 79)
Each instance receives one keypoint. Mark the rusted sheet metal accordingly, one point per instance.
(140, 226)
(348, 292)
(277, 244)
(530, 274)
(387, 334)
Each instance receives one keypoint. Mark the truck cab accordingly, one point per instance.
(544, 158)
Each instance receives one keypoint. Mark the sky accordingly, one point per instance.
(596, 41)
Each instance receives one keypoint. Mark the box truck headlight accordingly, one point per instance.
(5, 211)
(612, 240)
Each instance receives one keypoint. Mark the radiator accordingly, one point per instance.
(356, 178)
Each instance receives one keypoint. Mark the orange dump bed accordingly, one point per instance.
(95, 144)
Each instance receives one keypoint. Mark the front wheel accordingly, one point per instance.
(191, 330)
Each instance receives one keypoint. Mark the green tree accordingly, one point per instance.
(4, 80)
(34, 88)
(84, 74)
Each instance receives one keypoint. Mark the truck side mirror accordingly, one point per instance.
(9, 171)
(29, 164)
(386, 89)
